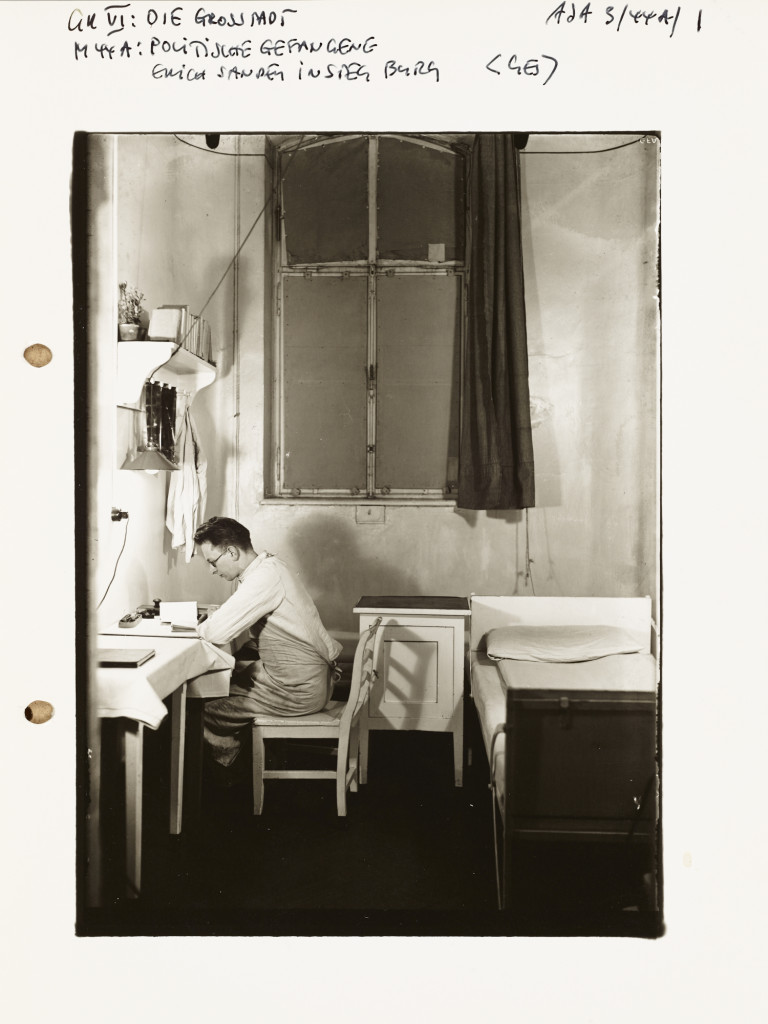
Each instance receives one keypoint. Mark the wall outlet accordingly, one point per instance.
(370, 514)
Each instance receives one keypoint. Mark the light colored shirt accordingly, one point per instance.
(275, 607)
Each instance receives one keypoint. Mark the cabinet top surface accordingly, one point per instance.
(412, 603)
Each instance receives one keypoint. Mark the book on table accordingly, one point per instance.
(120, 657)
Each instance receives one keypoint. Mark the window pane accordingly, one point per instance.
(418, 338)
(421, 202)
(325, 410)
(325, 202)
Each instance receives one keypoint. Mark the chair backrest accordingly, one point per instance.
(364, 667)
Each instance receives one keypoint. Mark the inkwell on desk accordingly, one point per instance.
(144, 611)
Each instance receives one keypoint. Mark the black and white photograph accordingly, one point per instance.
(382, 510)
(371, 459)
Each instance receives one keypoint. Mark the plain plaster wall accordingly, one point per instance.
(590, 250)
(591, 245)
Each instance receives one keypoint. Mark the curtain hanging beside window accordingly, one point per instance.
(496, 455)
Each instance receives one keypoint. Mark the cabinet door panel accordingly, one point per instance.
(416, 673)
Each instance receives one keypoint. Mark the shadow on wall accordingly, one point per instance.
(330, 556)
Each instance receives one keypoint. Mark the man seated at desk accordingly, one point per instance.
(285, 666)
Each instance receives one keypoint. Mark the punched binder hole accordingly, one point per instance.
(38, 355)
(38, 711)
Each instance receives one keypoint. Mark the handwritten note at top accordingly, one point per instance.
(271, 45)
(617, 16)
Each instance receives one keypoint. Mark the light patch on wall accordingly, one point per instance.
(541, 411)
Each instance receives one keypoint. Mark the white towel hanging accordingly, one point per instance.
(188, 491)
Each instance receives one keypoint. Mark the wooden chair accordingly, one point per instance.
(340, 721)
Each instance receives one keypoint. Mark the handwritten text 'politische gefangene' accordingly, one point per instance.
(270, 59)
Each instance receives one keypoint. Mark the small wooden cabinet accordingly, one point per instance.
(420, 682)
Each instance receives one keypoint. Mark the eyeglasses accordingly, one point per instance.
(213, 563)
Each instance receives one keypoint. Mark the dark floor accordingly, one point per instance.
(415, 855)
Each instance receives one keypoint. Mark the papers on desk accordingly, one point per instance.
(182, 615)
(169, 624)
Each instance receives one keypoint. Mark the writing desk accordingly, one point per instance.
(183, 666)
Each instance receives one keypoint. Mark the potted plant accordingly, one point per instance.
(129, 310)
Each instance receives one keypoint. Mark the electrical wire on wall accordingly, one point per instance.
(528, 559)
(117, 562)
(647, 139)
(259, 215)
(236, 341)
(221, 152)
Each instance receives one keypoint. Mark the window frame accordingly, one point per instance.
(371, 268)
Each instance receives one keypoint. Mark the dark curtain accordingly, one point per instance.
(496, 455)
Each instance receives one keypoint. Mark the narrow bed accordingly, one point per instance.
(565, 691)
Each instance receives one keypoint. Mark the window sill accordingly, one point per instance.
(353, 502)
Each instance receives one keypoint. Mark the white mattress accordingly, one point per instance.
(618, 673)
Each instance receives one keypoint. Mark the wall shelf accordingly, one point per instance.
(138, 361)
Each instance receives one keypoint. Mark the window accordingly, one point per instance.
(369, 318)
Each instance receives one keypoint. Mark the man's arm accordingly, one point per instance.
(253, 599)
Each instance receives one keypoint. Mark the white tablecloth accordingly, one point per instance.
(138, 693)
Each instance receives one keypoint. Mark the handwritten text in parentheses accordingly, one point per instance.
(531, 68)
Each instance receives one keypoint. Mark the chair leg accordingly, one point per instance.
(258, 769)
(363, 761)
(341, 776)
(354, 755)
